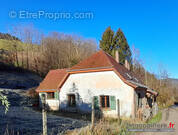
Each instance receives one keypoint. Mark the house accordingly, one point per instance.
(106, 80)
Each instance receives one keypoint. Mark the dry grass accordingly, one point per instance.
(106, 126)
(32, 93)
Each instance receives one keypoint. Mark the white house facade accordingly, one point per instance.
(85, 86)
(107, 81)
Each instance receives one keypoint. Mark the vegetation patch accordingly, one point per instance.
(157, 118)
(106, 126)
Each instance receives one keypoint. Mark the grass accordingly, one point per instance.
(110, 126)
(8, 45)
(106, 126)
(101, 128)
(157, 118)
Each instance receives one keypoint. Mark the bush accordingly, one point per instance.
(32, 93)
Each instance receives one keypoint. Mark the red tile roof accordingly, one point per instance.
(97, 60)
(103, 60)
(100, 61)
(52, 80)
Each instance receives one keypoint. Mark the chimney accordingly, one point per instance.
(127, 65)
(117, 56)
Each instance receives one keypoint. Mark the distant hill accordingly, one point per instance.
(174, 82)
(7, 36)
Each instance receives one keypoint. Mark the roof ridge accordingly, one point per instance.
(115, 61)
(108, 55)
(58, 69)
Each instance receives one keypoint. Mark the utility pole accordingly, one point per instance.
(44, 117)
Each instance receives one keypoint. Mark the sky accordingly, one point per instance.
(150, 25)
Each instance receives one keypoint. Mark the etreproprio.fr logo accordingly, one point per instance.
(170, 127)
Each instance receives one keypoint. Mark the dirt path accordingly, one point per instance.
(168, 115)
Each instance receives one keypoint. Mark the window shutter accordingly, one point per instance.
(96, 102)
(56, 95)
(113, 102)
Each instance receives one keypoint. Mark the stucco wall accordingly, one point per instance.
(52, 104)
(87, 85)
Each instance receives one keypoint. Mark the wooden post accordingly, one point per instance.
(44, 117)
(118, 111)
(93, 114)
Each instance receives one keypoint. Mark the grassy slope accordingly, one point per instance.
(8, 45)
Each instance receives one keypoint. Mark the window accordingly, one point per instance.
(71, 100)
(104, 101)
(50, 95)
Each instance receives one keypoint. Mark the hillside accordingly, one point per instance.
(8, 36)
(12, 45)
(174, 81)
(12, 77)
(8, 44)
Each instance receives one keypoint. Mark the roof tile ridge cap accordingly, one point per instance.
(113, 59)
(63, 79)
(106, 55)
(54, 70)
(59, 69)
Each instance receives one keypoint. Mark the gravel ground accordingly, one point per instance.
(22, 119)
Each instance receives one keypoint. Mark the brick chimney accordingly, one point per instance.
(127, 65)
(117, 56)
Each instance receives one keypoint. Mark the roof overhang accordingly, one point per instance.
(87, 70)
(111, 68)
(138, 85)
(152, 92)
(124, 80)
(46, 90)
(73, 71)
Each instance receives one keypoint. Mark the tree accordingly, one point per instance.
(106, 41)
(120, 43)
(40, 53)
